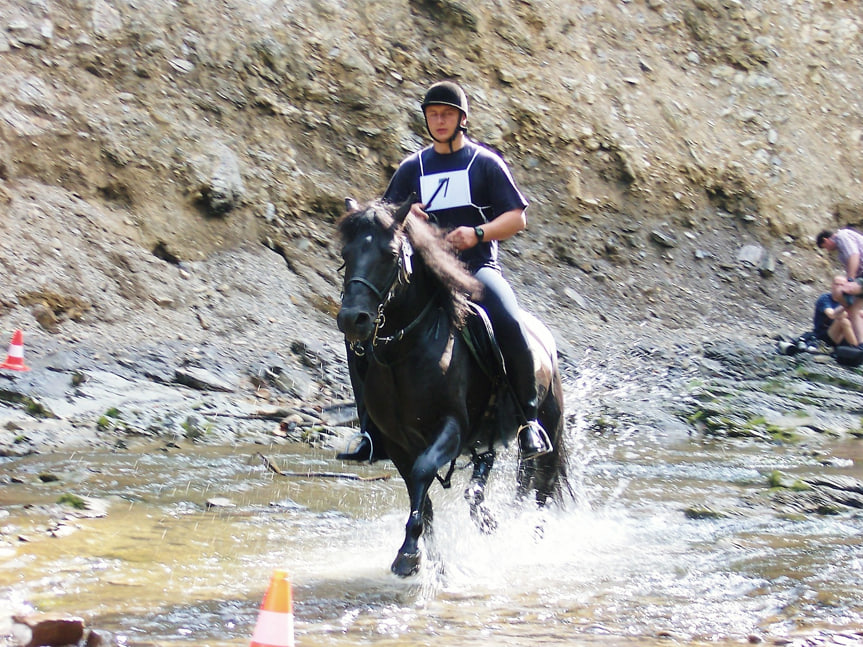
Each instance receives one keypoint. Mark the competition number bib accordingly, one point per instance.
(445, 190)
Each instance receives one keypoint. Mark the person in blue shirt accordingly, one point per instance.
(831, 322)
(467, 190)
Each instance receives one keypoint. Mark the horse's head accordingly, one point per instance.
(373, 251)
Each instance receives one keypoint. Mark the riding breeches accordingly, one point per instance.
(501, 304)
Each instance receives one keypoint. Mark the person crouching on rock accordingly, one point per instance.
(831, 321)
(848, 244)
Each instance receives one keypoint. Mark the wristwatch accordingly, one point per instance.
(479, 233)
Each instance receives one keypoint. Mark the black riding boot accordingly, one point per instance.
(533, 440)
(371, 447)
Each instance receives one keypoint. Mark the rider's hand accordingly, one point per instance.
(462, 238)
(417, 211)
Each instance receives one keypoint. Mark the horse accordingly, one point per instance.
(433, 395)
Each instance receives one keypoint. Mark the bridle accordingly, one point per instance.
(399, 277)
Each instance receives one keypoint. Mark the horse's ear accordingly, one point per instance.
(403, 211)
(351, 204)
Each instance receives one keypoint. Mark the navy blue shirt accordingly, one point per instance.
(469, 187)
(820, 321)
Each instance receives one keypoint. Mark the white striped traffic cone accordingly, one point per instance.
(15, 358)
(275, 626)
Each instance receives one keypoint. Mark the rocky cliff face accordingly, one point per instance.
(671, 149)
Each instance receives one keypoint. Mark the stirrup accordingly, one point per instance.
(351, 456)
(535, 443)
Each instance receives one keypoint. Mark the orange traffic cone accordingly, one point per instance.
(15, 358)
(275, 627)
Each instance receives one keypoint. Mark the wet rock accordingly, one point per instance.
(83, 507)
(52, 630)
(663, 239)
(220, 502)
(99, 639)
(704, 512)
(339, 413)
(842, 483)
(816, 495)
(201, 379)
(296, 383)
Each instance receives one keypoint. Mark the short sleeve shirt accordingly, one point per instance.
(469, 187)
(848, 243)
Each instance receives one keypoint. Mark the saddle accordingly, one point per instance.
(478, 334)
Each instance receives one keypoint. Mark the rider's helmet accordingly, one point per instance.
(447, 93)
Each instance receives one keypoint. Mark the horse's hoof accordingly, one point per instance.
(406, 565)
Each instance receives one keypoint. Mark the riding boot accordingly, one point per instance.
(370, 447)
(533, 440)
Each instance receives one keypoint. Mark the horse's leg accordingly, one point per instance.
(443, 450)
(475, 492)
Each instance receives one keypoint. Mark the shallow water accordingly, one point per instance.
(620, 565)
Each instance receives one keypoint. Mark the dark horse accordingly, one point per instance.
(427, 388)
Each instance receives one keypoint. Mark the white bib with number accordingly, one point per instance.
(447, 189)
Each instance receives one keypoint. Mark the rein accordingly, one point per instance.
(380, 320)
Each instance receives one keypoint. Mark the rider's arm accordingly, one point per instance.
(504, 226)
(852, 266)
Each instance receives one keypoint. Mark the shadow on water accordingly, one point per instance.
(621, 565)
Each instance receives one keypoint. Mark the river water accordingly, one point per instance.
(619, 565)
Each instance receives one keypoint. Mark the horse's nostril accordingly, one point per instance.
(354, 323)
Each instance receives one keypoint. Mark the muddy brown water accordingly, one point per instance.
(619, 565)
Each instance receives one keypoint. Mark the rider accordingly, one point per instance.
(467, 190)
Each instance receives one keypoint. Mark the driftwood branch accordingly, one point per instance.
(323, 475)
(277, 415)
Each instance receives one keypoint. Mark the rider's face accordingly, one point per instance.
(442, 121)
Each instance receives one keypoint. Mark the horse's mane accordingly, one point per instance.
(427, 241)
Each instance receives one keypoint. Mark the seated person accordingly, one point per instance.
(831, 321)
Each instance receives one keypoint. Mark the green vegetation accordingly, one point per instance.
(37, 409)
(852, 382)
(193, 431)
(109, 419)
(72, 500)
(777, 480)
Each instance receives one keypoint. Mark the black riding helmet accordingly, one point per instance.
(446, 93)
